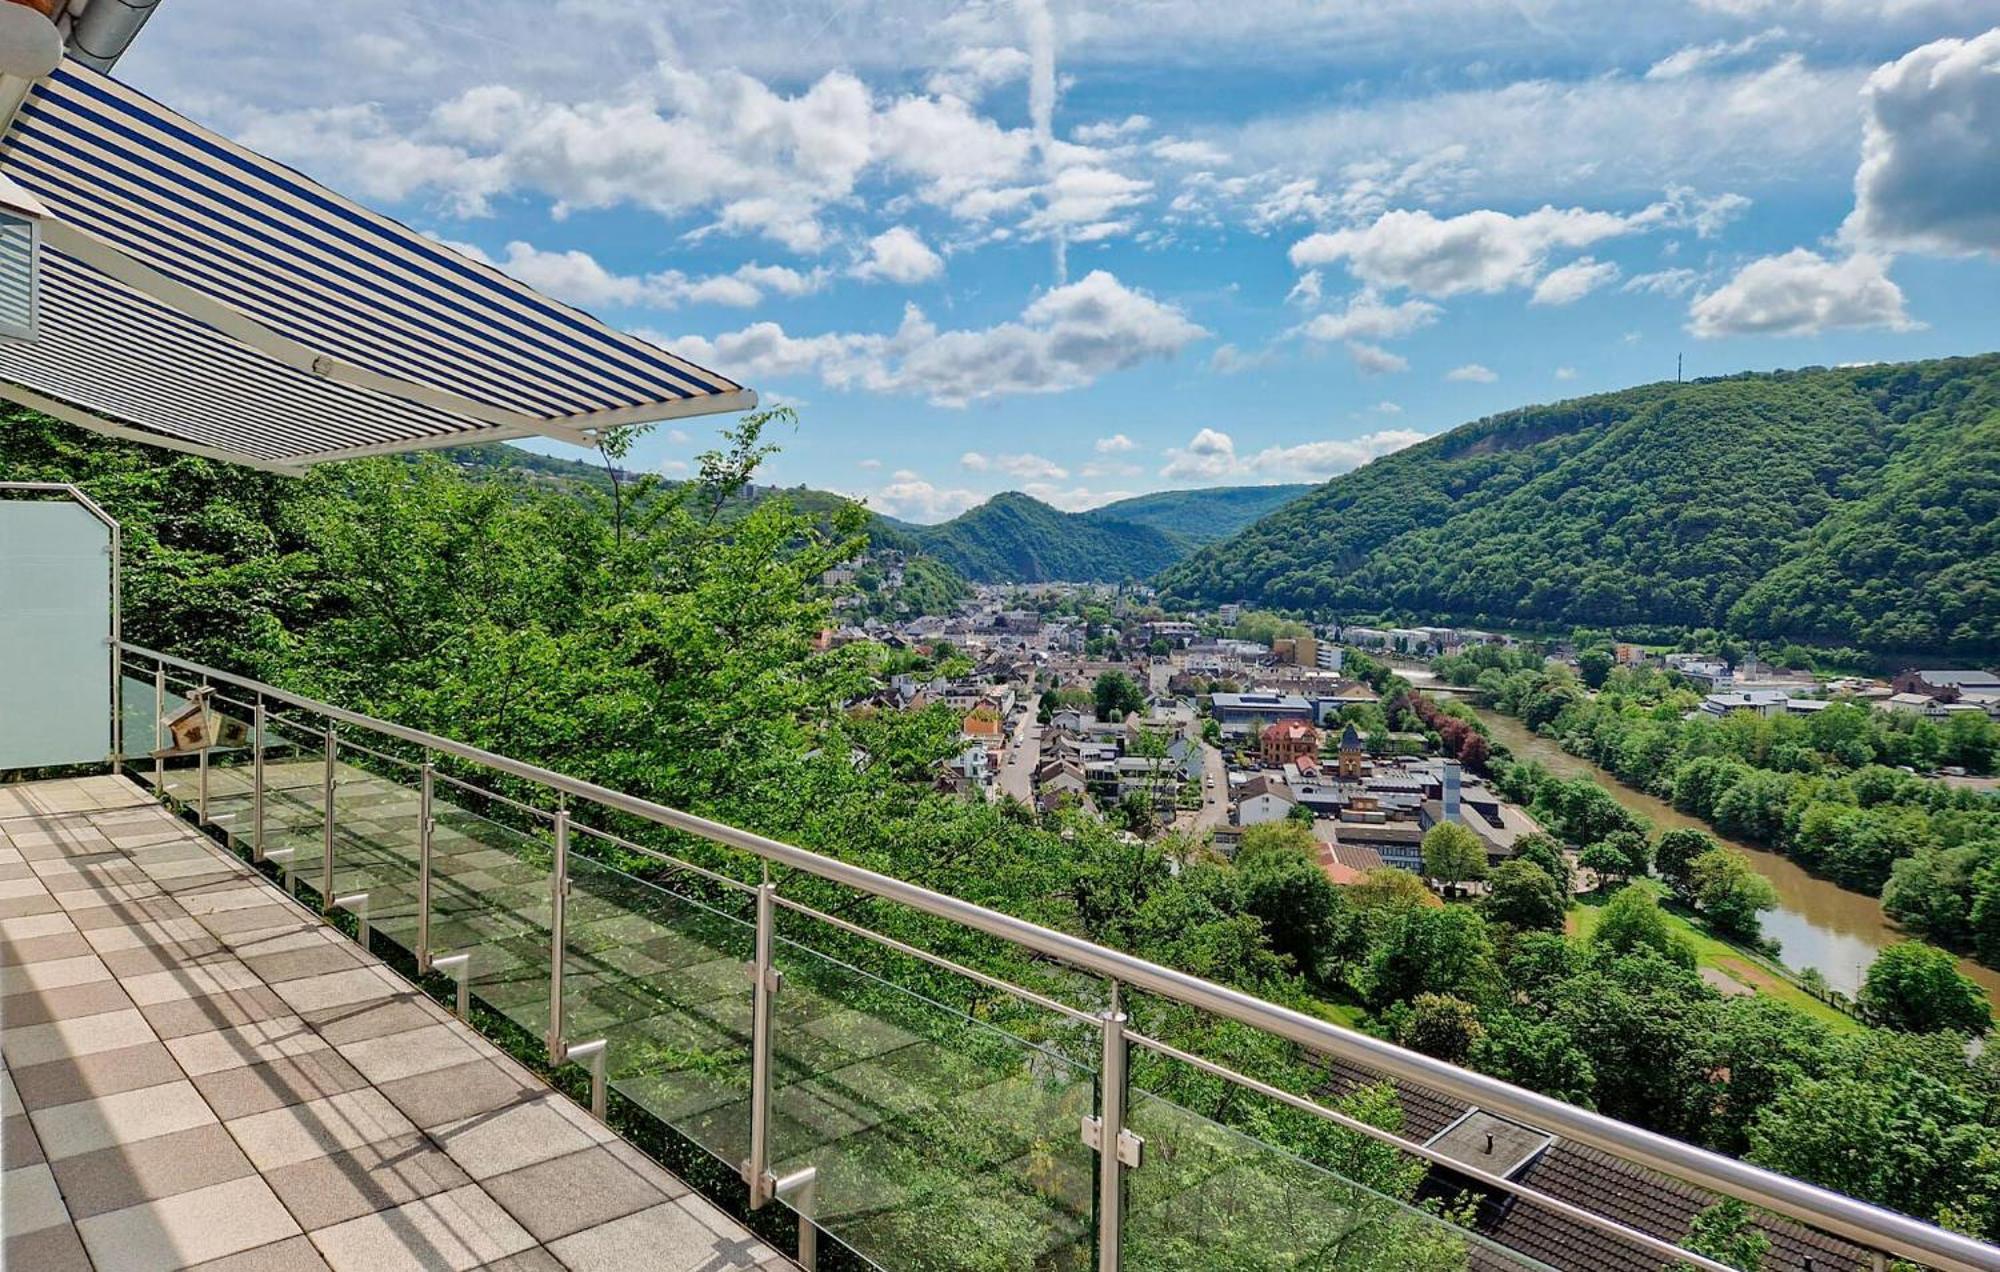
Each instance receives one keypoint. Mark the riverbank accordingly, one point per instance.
(1817, 923)
(1729, 967)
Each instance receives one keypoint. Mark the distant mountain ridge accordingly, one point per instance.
(1839, 506)
(1011, 538)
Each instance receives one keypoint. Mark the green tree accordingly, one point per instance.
(1633, 920)
(1522, 896)
(1441, 950)
(1442, 1026)
(1675, 854)
(1724, 1233)
(1453, 855)
(1730, 892)
(1283, 885)
(1115, 695)
(1543, 850)
(1918, 987)
(1593, 666)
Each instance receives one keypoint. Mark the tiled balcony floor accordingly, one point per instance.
(198, 1073)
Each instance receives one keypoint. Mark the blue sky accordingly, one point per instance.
(1093, 249)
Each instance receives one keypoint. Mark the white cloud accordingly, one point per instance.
(1116, 444)
(1369, 317)
(1105, 468)
(1482, 251)
(1110, 130)
(1027, 467)
(1665, 282)
(578, 277)
(1072, 498)
(1929, 179)
(1694, 57)
(679, 436)
(899, 255)
(870, 464)
(911, 498)
(1230, 360)
(675, 468)
(1572, 282)
(1565, 373)
(1374, 359)
(1388, 408)
(1306, 291)
(1210, 456)
(1066, 338)
(1473, 373)
(1801, 293)
(972, 73)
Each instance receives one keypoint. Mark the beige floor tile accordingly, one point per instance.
(494, 1143)
(250, 1043)
(337, 989)
(98, 1074)
(662, 1238)
(30, 1201)
(68, 1130)
(294, 1254)
(452, 1231)
(301, 1132)
(11, 888)
(213, 977)
(61, 1039)
(29, 926)
(128, 1174)
(55, 973)
(152, 932)
(403, 1055)
(189, 1228)
(223, 899)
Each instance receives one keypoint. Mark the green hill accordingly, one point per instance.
(1852, 506)
(1200, 517)
(1012, 538)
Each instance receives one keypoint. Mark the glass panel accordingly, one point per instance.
(230, 765)
(929, 1130)
(181, 775)
(140, 724)
(662, 978)
(55, 612)
(375, 847)
(1210, 1196)
(294, 796)
(490, 899)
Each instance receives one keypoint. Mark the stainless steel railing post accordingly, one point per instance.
(424, 866)
(1112, 1141)
(326, 825)
(765, 977)
(201, 787)
(558, 935)
(257, 781)
(159, 715)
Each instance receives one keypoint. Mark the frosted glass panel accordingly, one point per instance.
(55, 615)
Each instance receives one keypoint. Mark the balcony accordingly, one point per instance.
(733, 1004)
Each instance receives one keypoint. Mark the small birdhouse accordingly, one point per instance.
(191, 729)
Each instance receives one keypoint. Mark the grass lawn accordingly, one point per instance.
(1720, 960)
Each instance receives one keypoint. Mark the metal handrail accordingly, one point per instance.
(1859, 1221)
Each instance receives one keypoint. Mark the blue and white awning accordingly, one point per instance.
(203, 297)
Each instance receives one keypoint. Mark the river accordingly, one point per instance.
(1817, 923)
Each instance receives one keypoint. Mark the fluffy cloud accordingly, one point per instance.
(1210, 456)
(1027, 467)
(1929, 179)
(1374, 359)
(1066, 338)
(1573, 282)
(1482, 251)
(579, 278)
(1800, 293)
(1116, 444)
(1230, 360)
(909, 496)
(972, 73)
(1666, 282)
(1694, 57)
(1473, 373)
(899, 255)
(1369, 317)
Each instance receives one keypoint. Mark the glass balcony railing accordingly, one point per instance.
(917, 1112)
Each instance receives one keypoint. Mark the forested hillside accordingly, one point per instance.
(1200, 517)
(1012, 538)
(1846, 506)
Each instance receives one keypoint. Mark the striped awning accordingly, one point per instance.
(201, 296)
